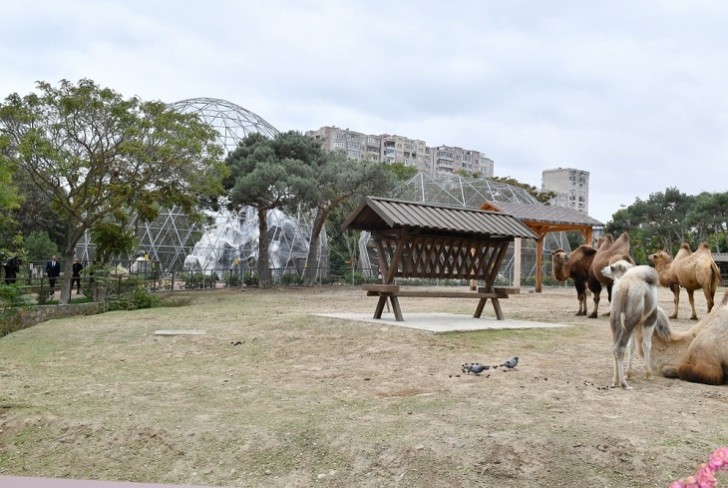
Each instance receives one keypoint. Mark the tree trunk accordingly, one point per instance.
(65, 277)
(309, 274)
(264, 279)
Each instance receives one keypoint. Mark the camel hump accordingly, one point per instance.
(587, 250)
(685, 246)
(704, 248)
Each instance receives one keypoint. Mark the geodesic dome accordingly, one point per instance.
(232, 122)
(457, 191)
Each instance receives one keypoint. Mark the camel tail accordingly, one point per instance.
(714, 279)
(708, 374)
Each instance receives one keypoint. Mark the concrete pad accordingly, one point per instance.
(179, 332)
(443, 322)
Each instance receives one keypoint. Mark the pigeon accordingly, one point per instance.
(475, 368)
(511, 363)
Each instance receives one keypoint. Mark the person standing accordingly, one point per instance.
(76, 276)
(12, 268)
(53, 271)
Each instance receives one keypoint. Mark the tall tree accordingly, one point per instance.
(93, 153)
(542, 196)
(272, 173)
(338, 180)
(8, 195)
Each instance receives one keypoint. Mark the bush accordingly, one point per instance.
(135, 299)
(250, 279)
(200, 280)
(232, 279)
(12, 296)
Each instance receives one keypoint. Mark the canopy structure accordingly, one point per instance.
(542, 219)
(416, 240)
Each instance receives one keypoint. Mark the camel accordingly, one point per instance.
(633, 307)
(576, 266)
(608, 252)
(692, 271)
(699, 355)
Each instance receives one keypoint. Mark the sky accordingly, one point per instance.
(634, 92)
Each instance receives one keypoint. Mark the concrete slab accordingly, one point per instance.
(179, 332)
(443, 322)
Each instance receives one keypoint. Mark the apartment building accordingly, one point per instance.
(570, 185)
(400, 149)
(448, 159)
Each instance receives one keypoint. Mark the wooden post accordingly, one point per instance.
(539, 263)
(517, 262)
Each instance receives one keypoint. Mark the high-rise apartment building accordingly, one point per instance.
(447, 159)
(410, 152)
(570, 185)
(399, 149)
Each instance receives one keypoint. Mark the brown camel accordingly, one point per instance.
(608, 251)
(699, 355)
(576, 266)
(692, 271)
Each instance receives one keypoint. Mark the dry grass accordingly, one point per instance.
(304, 400)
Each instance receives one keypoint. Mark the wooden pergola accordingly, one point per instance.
(542, 219)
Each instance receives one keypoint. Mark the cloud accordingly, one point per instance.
(631, 92)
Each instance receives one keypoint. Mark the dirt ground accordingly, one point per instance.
(271, 395)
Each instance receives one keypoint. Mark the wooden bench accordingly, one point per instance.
(393, 292)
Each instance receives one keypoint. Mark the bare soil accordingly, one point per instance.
(271, 395)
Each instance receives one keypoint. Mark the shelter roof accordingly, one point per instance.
(720, 257)
(382, 214)
(545, 214)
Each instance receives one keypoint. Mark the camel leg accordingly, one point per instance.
(609, 298)
(621, 336)
(581, 296)
(694, 316)
(647, 348)
(675, 299)
(593, 315)
(708, 297)
(630, 357)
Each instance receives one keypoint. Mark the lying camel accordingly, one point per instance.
(699, 355)
(576, 266)
(608, 252)
(692, 271)
(633, 309)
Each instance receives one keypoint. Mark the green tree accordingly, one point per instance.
(272, 173)
(8, 195)
(709, 216)
(338, 180)
(400, 171)
(112, 238)
(40, 246)
(542, 196)
(35, 212)
(93, 153)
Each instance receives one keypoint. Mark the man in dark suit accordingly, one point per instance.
(53, 271)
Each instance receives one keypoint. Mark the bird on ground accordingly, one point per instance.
(475, 368)
(511, 363)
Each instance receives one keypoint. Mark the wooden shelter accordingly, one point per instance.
(543, 219)
(416, 240)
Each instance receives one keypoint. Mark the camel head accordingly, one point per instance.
(559, 258)
(660, 259)
(617, 269)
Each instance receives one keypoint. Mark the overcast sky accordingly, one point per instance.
(635, 92)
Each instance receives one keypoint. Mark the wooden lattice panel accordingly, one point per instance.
(422, 256)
